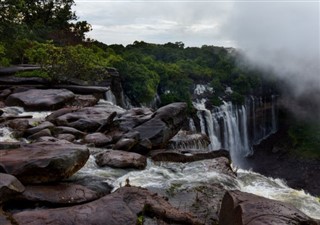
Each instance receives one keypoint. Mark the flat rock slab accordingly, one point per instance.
(38, 100)
(240, 208)
(61, 193)
(121, 207)
(121, 159)
(43, 161)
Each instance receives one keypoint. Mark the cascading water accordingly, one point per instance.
(237, 128)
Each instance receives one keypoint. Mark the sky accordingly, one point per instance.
(282, 35)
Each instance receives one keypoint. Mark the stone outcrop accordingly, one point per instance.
(9, 187)
(164, 124)
(239, 208)
(121, 159)
(37, 99)
(43, 161)
(121, 207)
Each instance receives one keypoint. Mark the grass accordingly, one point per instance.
(305, 138)
(33, 73)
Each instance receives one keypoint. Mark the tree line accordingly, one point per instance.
(47, 33)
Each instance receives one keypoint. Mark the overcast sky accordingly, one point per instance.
(282, 34)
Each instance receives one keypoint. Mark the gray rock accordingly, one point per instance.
(97, 139)
(9, 187)
(43, 161)
(121, 159)
(38, 100)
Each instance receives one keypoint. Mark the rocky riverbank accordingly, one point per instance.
(40, 182)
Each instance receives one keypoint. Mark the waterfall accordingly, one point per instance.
(110, 97)
(238, 128)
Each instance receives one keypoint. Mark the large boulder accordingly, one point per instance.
(43, 161)
(37, 99)
(239, 208)
(121, 159)
(164, 124)
(9, 187)
(86, 119)
(97, 139)
(121, 207)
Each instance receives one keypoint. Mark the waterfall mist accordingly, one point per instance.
(283, 37)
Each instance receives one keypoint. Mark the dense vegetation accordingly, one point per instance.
(47, 33)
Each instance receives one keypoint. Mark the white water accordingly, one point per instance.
(6, 134)
(110, 97)
(277, 189)
(228, 125)
(183, 175)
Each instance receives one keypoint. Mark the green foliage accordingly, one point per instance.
(33, 73)
(305, 138)
(140, 220)
(3, 60)
(67, 63)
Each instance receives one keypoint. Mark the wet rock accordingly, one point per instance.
(184, 156)
(121, 207)
(68, 130)
(10, 145)
(125, 144)
(5, 93)
(43, 161)
(121, 159)
(106, 123)
(42, 126)
(41, 133)
(165, 124)
(38, 100)
(67, 137)
(54, 115)
(84, 101)
(19, 126)
(243, 208)
(97, 139)
(185, 140)
(4, 219)
(61, 193)
(9, 187)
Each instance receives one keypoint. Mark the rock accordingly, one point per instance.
(185, 140)
(54, 115)
(83, 89)
(42, 126)
(19, 126)
(121, 159)
(9, 187)
(41, 133)
(184, 156)
(43, 161)
(85, 119)
(106, 123)
(125, 144)
(243, 208)
(121, 207)
(67, 137)
(61, 193)
(84, 101)
(97, 139)
(4, 219)
(9, 145)
(38, 100)
(5, 93)
(68, 130)
(134, 117)
(165, 124)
